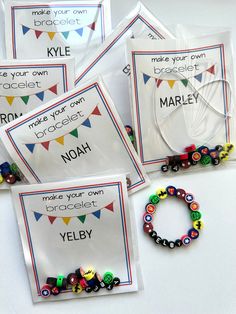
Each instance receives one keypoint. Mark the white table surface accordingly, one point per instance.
(200, 279)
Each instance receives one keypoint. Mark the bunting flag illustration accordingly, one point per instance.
(82, 218)
(51, 35)
(61, 139)
(184, 81)
(25, 99)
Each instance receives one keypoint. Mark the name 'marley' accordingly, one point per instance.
(76, 153)
(189, 99)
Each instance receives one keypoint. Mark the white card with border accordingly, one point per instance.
(77, 134)
(56, 29)
(87, 223)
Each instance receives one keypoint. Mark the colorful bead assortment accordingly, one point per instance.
(9, 173)
(202, 155)
(78, 281)
(195, 215)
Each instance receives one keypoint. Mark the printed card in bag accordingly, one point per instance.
(183, 93)
(110, 60)
(56, 29)
(77, 134)
(88, 224)
(25, 85)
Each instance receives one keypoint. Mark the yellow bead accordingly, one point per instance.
(1, 179)
(198, 224)
(228, 147)
(89, 274)
(77, 288)
(224, 156)
(162, 193)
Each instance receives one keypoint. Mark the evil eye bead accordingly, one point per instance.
(150, 208)
(186, 240)
(171, 190)
(196, 156)
(147, 218)
(203, 150)
(189, 198)
(193, 233)
(161, 193)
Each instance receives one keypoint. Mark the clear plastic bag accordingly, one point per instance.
(183, 93)
(77, 134)
(110, 61)
(25, 85)
(97, 212)
(56, 29)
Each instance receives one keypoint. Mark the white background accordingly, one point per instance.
(198, 279)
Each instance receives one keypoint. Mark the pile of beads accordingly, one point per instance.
(195, 215)
(78, 281)
(202, 154)
(9, 173)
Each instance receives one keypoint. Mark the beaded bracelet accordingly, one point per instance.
(195, 215)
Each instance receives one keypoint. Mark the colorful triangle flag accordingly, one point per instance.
(30, 147)
(10, 99)
(87, 123)
(79, 31)
(211, 69)
(53, 89)
(96, 111)
(51, 35)
(52, 219)
(65, 34)
(110, 207)
(92, 26)
(25, 29)
(37, 216)
(74, 133)
(146, 78)
(38, 33)
(97, 214)
(185, 82)
(40, 95)
(82, 218)
(171, 83)
(66, 220)
(198, 77)
(45, 144)
(25, 99)
(158, 82)
(60, 140)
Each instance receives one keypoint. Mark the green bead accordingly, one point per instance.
(108, 277)
(14, 168)
(205, 160)
(154, 199)
(195, 215)
(60, 280)
(131, 137)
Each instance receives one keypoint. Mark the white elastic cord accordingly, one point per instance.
(198, 118)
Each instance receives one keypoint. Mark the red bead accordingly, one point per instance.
(147, 227)
(73, 280)
(183, 157)
(190, 148)
(83, 283)
(181, 194)
(55, 290)
(45, 291)
(10, 179)
(194, 206)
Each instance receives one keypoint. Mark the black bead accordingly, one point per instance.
(102, 284)
(51, 281)
(219, 148)
(88, 289)
(109, 287)
(116, 281)
(153, 234)
(158, 240)
(164, 242)
(96, 288)
(171, 245)
(175, 168)
(178, 243)
(215, 161)
(78, 274)
(164, 168)
(64, 284)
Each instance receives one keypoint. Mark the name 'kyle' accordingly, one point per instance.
(189, 99)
